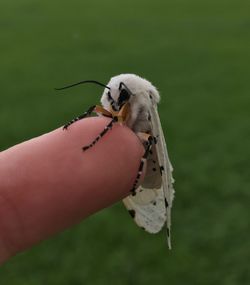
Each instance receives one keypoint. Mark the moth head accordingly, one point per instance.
(122, 89)
(128, 88)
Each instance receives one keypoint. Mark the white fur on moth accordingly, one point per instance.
(151, 206)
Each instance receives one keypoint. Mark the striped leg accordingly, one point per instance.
(105, 130)
(84, 115)
(149, 144)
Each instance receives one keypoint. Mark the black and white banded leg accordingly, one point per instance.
(150, 141)
(105, 130)
(84, 115)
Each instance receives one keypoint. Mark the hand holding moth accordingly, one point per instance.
(46, 182)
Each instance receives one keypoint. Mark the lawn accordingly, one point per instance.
(197, 53)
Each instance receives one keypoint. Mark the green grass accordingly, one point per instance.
(197, 53)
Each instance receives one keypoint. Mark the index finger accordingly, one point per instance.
(49, 184)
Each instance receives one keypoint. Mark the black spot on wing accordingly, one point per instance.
(132, 213)
(161, 169)
(166, 202)
(168, 232)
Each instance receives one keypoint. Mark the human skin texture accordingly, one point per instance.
(48, 183)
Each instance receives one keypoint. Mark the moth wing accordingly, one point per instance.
(151, 206)
(153, 173)
(147, 208)
(166, 167)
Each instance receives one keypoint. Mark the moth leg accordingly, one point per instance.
(82, 116)
(105, 130)
(150, 140)
(95, 108)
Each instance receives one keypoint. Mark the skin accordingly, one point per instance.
(49, 184)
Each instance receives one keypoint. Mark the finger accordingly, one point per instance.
(48, 183)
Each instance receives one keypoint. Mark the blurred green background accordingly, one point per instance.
(197, 53)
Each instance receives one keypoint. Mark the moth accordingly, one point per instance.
(131, 100)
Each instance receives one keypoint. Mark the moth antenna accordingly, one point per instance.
(83, 82)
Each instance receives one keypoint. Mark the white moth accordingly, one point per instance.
(132, 100)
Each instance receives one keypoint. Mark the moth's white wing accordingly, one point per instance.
(152, 178)
(147, 208)
(162, 155)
